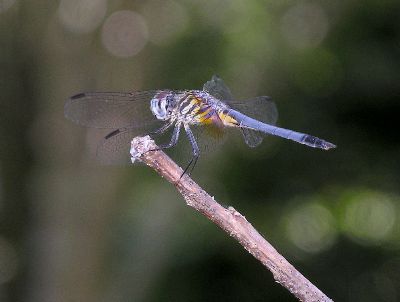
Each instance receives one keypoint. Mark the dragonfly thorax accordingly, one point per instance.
(163, 104)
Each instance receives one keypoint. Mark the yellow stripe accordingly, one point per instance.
(227, 120)
(197, 102)
(203, 119)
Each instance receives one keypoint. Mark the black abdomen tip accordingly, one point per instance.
(327, 145)
(316, 142)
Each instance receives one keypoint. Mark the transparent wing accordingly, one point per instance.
(260, 108)
(252, 138)
(128, 113)
(217, 88)
(114, 148)
(111, 109)
(209, 137)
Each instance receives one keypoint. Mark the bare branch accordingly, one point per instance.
(230, 220)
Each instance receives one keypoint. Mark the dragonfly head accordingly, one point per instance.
(163, 104)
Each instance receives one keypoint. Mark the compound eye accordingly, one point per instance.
(170, 99)
(165, 105)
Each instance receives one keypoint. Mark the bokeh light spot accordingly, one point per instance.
(82, 16)
(6, 4)
(311, 227)
(167, 19)
(8, 261)
(125, 33)
(369, 217)
(304, 25)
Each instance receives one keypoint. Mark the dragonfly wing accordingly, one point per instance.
(217, 88)
(111, 110)
(209, 137)
(114, 149)
(251, 137)
(260, 108)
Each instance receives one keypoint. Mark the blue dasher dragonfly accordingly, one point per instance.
(137, 113)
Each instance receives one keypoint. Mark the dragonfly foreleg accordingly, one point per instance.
(195, 150)
(161, 130)
(174, 138)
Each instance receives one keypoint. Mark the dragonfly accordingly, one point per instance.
(155, 112)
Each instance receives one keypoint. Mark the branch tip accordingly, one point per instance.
(228, 219)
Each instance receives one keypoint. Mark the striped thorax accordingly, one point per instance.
(194, 107)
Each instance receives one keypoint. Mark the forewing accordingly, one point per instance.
(111, 110)
(114, 149)
(217, 88)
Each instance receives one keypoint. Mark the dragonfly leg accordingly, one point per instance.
(161, 130)
(195, 150)
(174, 138)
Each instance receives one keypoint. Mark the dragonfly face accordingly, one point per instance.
(163, 105)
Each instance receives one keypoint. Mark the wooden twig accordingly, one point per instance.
(230, 220)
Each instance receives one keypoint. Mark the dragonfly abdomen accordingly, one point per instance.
(302, 138)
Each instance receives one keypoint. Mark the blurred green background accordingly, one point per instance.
(73, 230)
